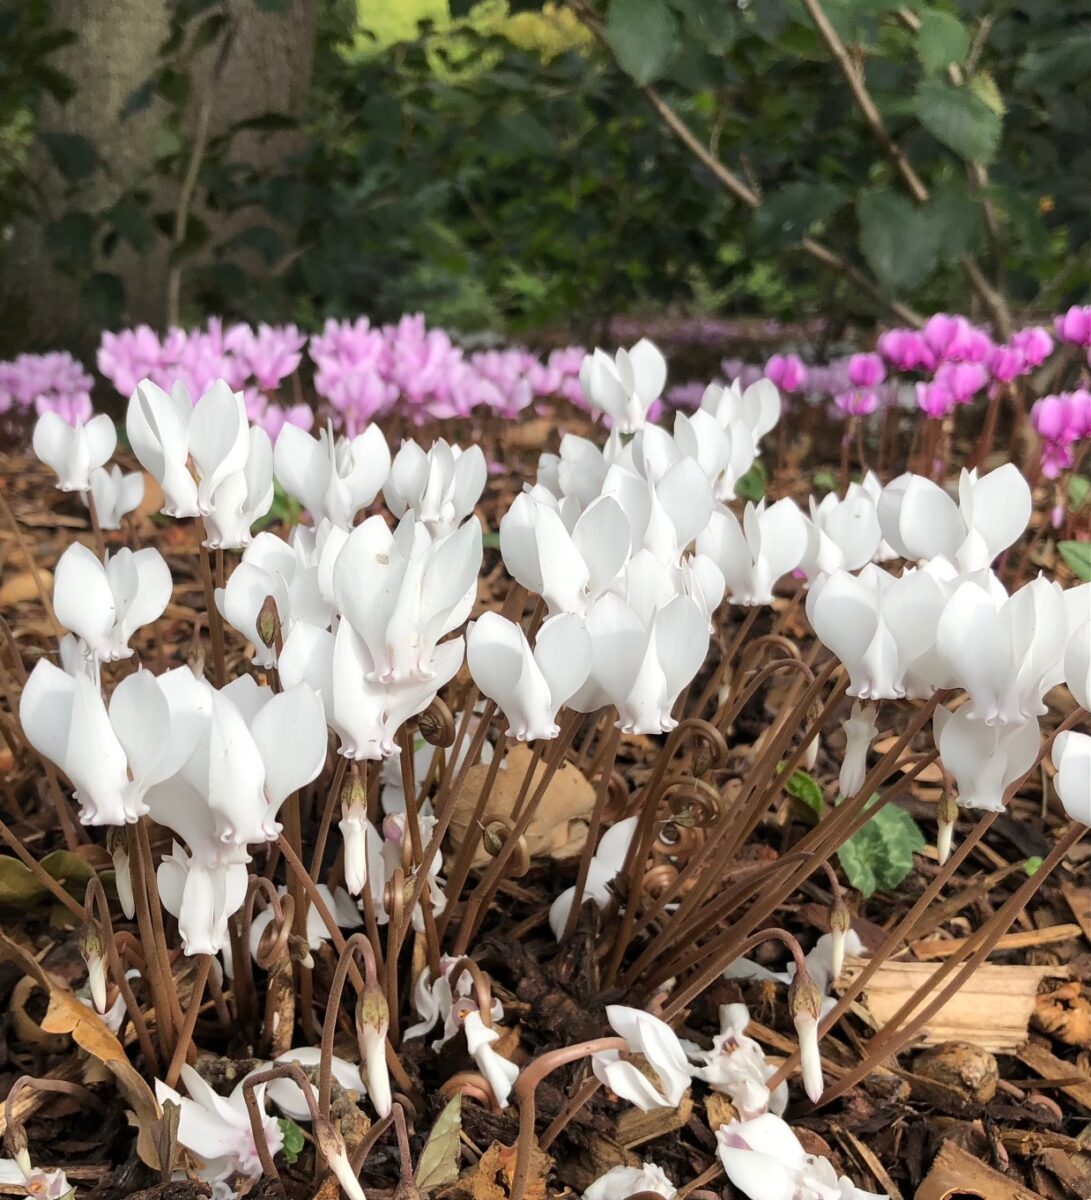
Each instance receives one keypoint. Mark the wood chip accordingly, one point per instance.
(1049, 1066)
(992, 1009)
(634, 1127)
(945, 947)
(955, 1173)
(1079, 900)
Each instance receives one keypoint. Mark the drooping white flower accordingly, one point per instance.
(763, 1158)
(73, 451)
(37, 1182)
(569, 570)
(342, 908)
(641, 660)
(333, 478)
(104, 604)
(842, 535)
(529, 686)
(860, 729)
(203, 894)
(625, 387)
(115, 494)
(434, 1002)
(402, 592)
(439, 487)
(1005, 653)
(921, 521)
(1077, 653)
(395, 832)
(243, 497)
(287, 1095)
(619, 1183)
(736, 1066)
(607, 862)
(662, 1055)
(754, 555)
(112, 756)
(985, 760)
(821, 966)
(877, 625)
(871, 487)
(498, 1070)
(217, 1128)
(1072, 758)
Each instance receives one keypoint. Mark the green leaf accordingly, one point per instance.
(69, 869)
(959, 119)
(1032, 865)
(825, 481)
(70, 241)
(75, 156)
(942, 40)
(18, 887)
(293, 1139)
(803, 787)
(104, 295)
(643, 34)
(880, 855)
(751, 486)
(1078, 488)
(788, 214)
(491, 541)
(900, 242)
(132, 223)
(1078, 557)
(956, 216)
(439, 1160)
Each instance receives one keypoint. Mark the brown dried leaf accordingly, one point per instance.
(21, 586)
(491, 1177)
(558, 828)
(1065, 1013)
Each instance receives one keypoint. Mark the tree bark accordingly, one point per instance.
(267, 70)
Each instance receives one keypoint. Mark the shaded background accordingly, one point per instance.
(521, 170)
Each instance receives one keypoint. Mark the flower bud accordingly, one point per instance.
(840, 924)
(810, 755)
(946, 816)
(17, 1143)
(94, 955)
(805, 1005)
(268, 623)
(372, 1025)
(332, 1147)
(118, 848)
(299, 951)
(354, 827)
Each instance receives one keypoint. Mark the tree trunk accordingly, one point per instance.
(267, 70)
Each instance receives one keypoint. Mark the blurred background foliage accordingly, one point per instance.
(507, 166)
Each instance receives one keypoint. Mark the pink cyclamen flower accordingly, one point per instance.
(787, 371)
(954, 339)
(1075, 325)
(1034, 344)
(935, 399)
(858, 402)
(866, 370)
(906, 350)
(962, 379)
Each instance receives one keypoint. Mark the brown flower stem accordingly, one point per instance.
(95, 902)
(581, 1098)
(160, 976)
(96, 528)
(333, 797)
(893, 940)
(339, 940)
(891, 1039)
(294, 1072)
(40, 873)
(412, 821)
(529, 1078)
(215, 620)
(358, 944)
(183, 1048)
(602, 795)
(712, 687)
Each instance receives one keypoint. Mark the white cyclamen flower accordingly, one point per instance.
(569, 570)
(606, 864)
(217, 1128)
(621, 1182)
(736, 1066)
(625, 387)
(434, 1002)
(1005, 654)
(333, 478)
(921, 521)
(115, 494)
(287, 1095)
(498, 1070)
(439, 487)
(985, 760)
(36, 1182)
(757, 407)
(860, 730)
(1072, 758)
(529, 686)
(877, 625)
(662, 1052)
(104, 604)
(754, 555)
(725, 455)
(73, 451)
(842, 535)
(665, 511)
(765, 1161)
(112, 756)
(1077, 653)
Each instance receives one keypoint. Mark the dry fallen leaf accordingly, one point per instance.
(1065, 1013)
(21, 586)
(559, 826)
(491, 1176)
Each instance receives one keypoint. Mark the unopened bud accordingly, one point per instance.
(946, 816)
(268, 623)
(118, 848)
(491, 841)
(810, 755)
(94, 955)
(195, 655)
(16, 1142)
(299, 951)
(805, 1005)
(332, 1147)
(354, 828)
(372, 1025)
(840, 924)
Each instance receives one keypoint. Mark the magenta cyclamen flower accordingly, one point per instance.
(1061, 421)
(787, 371)
(1075, 325)
(1034, 344)
(866, 370)
(1006, 363)
(934, 399)
(906, 350)
(53, 382)
(962, 379)
(859, 402)
(954, 339)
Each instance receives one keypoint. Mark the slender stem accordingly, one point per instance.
(183, 1048)
(215, 620)
(40, 873)
(333, 797)
(158, 963)
(601, 796)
